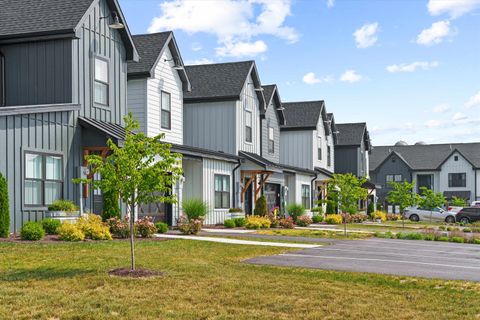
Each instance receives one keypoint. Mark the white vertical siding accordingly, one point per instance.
(193, 186)
(296, 148)
(320, 133)
(165, 79)
(330, 143)
(271, 120)
(300, 180)
(137, 101)
(290, 184)
(460, 166)
(248, 101)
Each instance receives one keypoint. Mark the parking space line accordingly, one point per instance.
(430, 244)
(357, 245)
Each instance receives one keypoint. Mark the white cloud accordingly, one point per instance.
(330, 3)
(433, 123)
(236, 21)
(411, 67)
(474, 101)
(242, 49)
(199, 61)
(350, 76)
(458, 116)
(441, 108)
(311, 78)
(366, 36)
(455, 8)
(196, 46)
(435, 34)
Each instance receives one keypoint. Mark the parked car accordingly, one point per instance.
(475, 204)
(468, 215)
(453, 209)
(424, 214)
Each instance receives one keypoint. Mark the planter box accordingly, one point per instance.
(63, 216)
(235, 215)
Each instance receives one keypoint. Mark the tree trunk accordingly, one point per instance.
(132, 235)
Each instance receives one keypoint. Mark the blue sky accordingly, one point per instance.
(409, 68)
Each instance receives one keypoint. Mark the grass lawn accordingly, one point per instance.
(314, 233)
(208, 281)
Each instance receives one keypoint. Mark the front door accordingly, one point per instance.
(159, 211)
(272, 195)
(248, 198)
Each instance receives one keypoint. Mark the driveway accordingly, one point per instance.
(448, 261)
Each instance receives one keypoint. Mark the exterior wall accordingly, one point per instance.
(320, 133)
(296, 148)
(165, 79)
(362, 161)
(248, 101)
(478, 184)
(460, 166)
(290, 183)
(300, 180)
(330, 143)
(347, 159)
(38, 72)
(210, 125)
(389, 167)
(271, 120)
(137, 101)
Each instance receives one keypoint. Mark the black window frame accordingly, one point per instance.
(164, 111)
(271, 141)
(44, 179)
(95, 80)
(451, 180)
(221, 192)
(428, 187)
(319, 149)
(2, 80)
(329, 156)
(306, 199)
(248, 129)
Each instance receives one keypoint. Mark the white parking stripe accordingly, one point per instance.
(379, 260)
(386, 247)
(430, 244)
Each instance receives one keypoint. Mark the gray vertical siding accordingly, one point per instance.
(346, 160)
(379, 176)
(271, 120)
(296, 148)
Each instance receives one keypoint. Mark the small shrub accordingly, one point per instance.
(379, 215)
(32, 231)
(356, 218)
(119, 228)
(389, 235)
(93, 227)
(235, 210)
(409, 236)
(443, 239)
(386, 235)
(272, 216)
(317, 218)
(51, 225)
(261, 207)
(62, 205)
(475, 229)
(4, 208)
(318, 210)
(286, 223)
(239, 222)
(370, 207)
(111, 206)
(229, 223)
(195, 209)
(442, 228)
(476, 241)
(429, 237)
(467, 230)
(70, 232)
(304, 221)
(145, 228)
(192, 226)
(256, 222)
(295, 210)
(457, 239)
(333, 219)
(393, 217)
(162, 227)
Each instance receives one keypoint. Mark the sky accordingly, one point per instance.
(409, 68)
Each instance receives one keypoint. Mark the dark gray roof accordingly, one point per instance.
(271, 92)
(302, 115)
(268, 91)
(351, 134)
(333, 127)
(204, 153)
(220, 81)
(270, 165)
(149, 47)
(426, 157)
(111, 130)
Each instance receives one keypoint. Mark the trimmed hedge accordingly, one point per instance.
(4, 208)
(32, 231)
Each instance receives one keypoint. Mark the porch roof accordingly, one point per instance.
(111, 130)
(204, 153)
(261, 161)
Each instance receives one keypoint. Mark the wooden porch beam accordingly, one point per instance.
(262, 183)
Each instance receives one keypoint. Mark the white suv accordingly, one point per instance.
(423, 214)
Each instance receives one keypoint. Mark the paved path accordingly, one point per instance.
(396, 257)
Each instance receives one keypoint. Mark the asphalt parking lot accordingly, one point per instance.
(442, 260)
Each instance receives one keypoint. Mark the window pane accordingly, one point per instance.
(53, 168)
(218, 199)
(101, 70)
(33, 166)
(53, 191)
(248, 119)
(33, 192)
(398, 178)
(218, 183)
(270, 133)
(226, 184)
(165, 101)
(248, 134)
(225, 199)
(389, 178)
(165, 119)
(101, 93)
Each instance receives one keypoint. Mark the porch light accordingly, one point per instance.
(179, 67)
(280, 108)
(116, 22)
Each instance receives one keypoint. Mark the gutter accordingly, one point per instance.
(312, 186)
(233, 184)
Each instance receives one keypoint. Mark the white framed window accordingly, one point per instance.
(101, 83)
(271, 140)
(248, 126)
(389, 178)
(306, 196)
(319, 148)
(43, 179)
(398, 178)
(166, 117)
(222, 191)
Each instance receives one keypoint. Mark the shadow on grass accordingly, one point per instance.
(42, 273)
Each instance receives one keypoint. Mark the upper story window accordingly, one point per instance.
(43, 180)
(319, 148)
(101, 86)
(424, 180)
(306, 196)
(166, 117)
(329, 156)
(457, 180)
(271, 140)
(222, 191)
(2, 80)
(394, 178)
(248, 126)
(455, 158)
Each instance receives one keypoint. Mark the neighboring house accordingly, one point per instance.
(352, 149)
(156, 88)
(307, 141)
(63, 79)
(452, 169)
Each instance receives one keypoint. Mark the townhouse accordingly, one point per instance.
(63, 80)
(452, 169)
(352, 149)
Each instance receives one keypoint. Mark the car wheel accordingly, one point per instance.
(414, 218)
(450, 219)
(465, 220)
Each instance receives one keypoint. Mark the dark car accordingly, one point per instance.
(468, 215)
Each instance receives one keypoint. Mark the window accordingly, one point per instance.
(43, 179)
(271, 140)
(329, 156)
(306, 196)
(319, 148)
(248, 126)
(398, 178)
(455, 158)
(457, 180)
(389, 178)
(424, 180)
(101, 81)
(2, 80)
(222, 191)
(166, 117)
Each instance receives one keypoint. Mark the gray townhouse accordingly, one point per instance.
(63, 93)
(452, 169)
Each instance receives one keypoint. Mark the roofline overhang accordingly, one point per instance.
(211, 99)
(38, 36)
(298, 128)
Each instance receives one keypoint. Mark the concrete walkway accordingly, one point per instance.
(237, 241)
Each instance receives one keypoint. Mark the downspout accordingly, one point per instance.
(313, 187)
(233, 185)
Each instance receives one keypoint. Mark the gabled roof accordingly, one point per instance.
(304, 115)
(333, 127)
(150, 49)
(23, 20)
(259, 160)
(270, 92)
(427, 157)
(352, 134)
(222, 81)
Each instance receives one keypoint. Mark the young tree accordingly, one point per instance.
(4, 208)
(403, 195)
(458, 202)
(142, 171)
(430, 200)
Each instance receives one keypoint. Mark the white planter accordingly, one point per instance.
(235, 215)
(63, 216)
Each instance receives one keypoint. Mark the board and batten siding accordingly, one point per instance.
(248, 102)
(477, 197)
(301, 179)
(346, 159)
(165, 79)
(210, 125)
(271, 121)
(296, 148)
(320, 133)
(436, 179)
(460, 166)
(137, 101)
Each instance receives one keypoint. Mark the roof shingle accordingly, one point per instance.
(351, 134)
(149, 47)
(305, 114)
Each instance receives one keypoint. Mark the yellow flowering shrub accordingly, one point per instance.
(257, 222)
(333, 219)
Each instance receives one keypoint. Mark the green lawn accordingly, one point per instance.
(309, 233)
(208, 281)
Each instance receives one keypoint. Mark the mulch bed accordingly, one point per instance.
(53, 239)
(138, 273)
